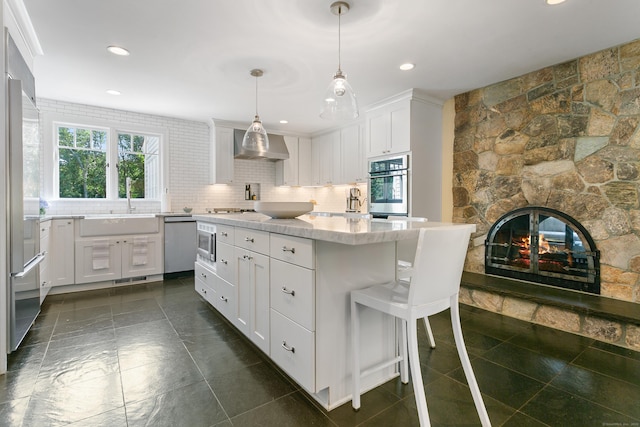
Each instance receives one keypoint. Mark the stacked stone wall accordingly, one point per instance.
(565, 137)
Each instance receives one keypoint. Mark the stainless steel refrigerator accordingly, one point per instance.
(23, 175)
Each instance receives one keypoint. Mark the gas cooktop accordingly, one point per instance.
(230, 210)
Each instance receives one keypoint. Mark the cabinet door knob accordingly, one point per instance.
(292, 349)
(248, 239)
(288, 292)
(285, 249)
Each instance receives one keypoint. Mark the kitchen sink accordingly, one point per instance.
(117, 224)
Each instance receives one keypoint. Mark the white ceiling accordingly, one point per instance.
(191, 58)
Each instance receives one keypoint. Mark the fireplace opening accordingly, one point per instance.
(543, 245)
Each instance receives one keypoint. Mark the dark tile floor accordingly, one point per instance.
(158, 355)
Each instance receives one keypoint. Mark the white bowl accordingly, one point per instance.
(283, 210)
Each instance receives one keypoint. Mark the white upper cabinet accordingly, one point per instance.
(304, 161)
(326, 159)
(221, 151)
(389, 129)
(352, 148)
(287, 171)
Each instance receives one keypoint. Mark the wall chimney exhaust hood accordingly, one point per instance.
(277, 148)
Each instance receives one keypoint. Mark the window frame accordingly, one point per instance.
(51, 122)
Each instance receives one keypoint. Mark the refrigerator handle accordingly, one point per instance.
(34, 263)
(16, 194)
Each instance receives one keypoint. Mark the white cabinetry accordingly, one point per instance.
(62, 267)
(287, 171)
(411, 123)
(388, 129)
(45, 264)
(117, 257)
(304, 162)
(293, 292)
(326, 159)
(352, 148)
(221, 151)
(252, 285)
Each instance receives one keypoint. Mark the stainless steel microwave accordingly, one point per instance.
(207, 242)
(388, 186)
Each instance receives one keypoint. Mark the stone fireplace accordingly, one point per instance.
(567, 138)
(543, 245)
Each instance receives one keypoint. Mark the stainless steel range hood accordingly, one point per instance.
(277, 148)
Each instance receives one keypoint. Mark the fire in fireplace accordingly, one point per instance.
(545, 246)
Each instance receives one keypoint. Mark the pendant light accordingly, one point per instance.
(256, 139)
(339, 99)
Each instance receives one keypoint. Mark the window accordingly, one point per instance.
(85, 154)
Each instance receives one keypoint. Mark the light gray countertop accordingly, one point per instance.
(348, 231)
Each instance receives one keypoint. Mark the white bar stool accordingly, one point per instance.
(406, 250)
(433, 287)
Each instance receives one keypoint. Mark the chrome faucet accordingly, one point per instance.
(128, 191)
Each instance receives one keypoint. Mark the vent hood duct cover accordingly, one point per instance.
(277, 148)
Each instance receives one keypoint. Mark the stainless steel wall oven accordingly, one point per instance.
(388, 186)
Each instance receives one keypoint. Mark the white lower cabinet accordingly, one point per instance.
(293, 349)
(117, 257)
(62, 265)
(45, 264)
(252, 293)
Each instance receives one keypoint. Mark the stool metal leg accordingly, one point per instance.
(416, 374)
(355, 351)
(427, 326)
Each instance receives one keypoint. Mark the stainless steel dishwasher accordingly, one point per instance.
(179, 243)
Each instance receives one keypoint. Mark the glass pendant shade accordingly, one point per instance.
(256, 139)
(340, 101)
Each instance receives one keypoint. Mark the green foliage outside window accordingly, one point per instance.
(82, 163)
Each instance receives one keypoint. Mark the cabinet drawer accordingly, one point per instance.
(296, 250)
(254, 240)
(225, 298)
(45, 228)
(207, 292)
(298, 358)
(293, 292)
(225, 262)
(204, 274)
(224, 234)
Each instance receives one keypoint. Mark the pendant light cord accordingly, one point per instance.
(339, 38)
(256, 96)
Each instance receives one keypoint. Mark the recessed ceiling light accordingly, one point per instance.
(284, 122)
(113, 92)
(407, 66)
(554, 2)
(117, 50)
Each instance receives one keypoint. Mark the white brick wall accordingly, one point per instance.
(189, 170)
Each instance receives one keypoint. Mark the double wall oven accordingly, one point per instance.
(388, 186)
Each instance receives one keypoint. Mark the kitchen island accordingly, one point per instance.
(285, 284)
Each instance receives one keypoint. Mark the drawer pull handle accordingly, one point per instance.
(286, 249)
(248, 239)
(286, 291)
(203, 275)
(247, 257)
(286, 347)
(223, 261)
(223, 299)
(204, 290)
(223, 234)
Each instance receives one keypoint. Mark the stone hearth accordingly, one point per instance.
(566, 137)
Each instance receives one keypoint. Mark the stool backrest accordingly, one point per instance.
(438, 264)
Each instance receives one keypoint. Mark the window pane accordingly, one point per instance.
(66, 136)
(99, 138)
(83, 138)
(131, 166)
(82, 173)
(138, 143)
(124, 142)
